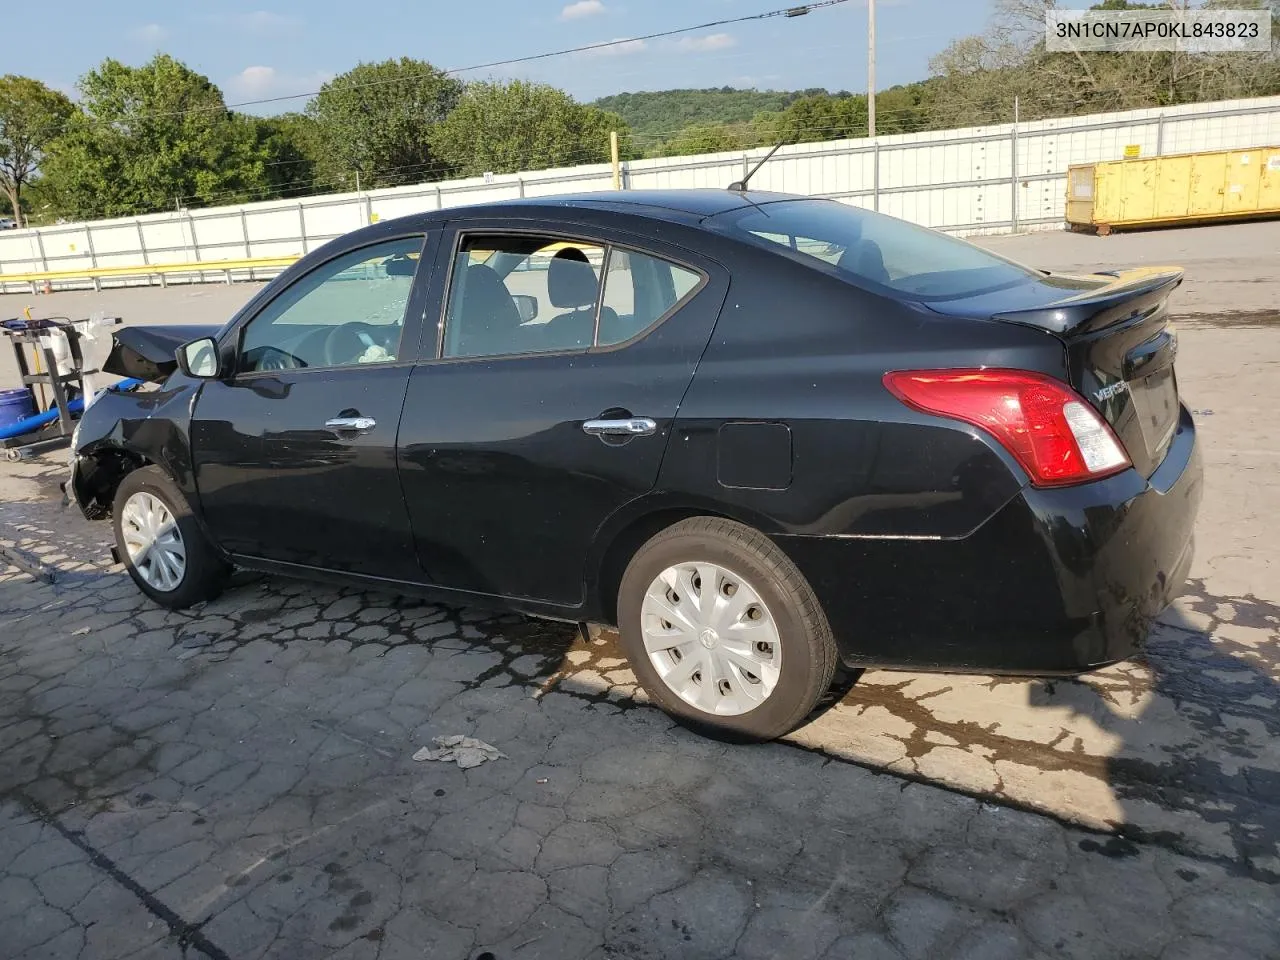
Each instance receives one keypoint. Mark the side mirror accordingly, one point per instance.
(199, 359)
(527, 305)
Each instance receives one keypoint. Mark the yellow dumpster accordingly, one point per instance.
(1184, 188)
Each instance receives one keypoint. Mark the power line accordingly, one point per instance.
(783, 12)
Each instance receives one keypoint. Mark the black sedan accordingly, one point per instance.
(759, 433)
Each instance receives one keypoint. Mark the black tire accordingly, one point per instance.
(206, 573)
(808, 648)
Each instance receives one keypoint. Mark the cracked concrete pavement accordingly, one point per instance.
(236, 781)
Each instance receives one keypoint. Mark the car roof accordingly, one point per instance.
(680, 206)
(683, 208)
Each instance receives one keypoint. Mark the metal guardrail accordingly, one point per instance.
(50, 279)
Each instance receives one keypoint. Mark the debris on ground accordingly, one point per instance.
(467, 752)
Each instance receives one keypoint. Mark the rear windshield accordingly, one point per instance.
(877, 251)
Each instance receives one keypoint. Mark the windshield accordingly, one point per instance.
(876, 251)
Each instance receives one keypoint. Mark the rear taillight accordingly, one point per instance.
(1057, 437)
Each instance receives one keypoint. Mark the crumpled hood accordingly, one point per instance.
(147, 353)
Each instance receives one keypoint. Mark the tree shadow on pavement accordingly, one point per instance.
(1195, 761)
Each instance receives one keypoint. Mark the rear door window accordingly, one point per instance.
(524, 294)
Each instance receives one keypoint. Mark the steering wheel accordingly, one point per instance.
(272, 358)
(348, 342)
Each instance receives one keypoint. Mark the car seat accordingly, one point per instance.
(572, 283)
(488, 321)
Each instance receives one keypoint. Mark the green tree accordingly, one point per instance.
(816, 118)
(291, 151)
(377, 120)
(31, 115)
(707, 138)
(504, 127)
(148, 137)
(660, 115)
(38, 203)
(978, 78)
(905, 108)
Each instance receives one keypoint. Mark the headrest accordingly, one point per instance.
(570, 280)
(865, 260)
(486, 300)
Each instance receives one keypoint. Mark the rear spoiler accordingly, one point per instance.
(148, 353)
(1130, 293)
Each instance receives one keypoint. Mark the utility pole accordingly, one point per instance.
(871, 68)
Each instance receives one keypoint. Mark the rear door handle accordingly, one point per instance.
(351, 424)
(628, 427)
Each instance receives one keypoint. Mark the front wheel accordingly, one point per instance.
(160, 543)
(723, 631)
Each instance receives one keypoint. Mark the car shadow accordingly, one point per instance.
(843, 684)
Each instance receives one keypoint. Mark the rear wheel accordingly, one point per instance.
(161, 545)
(723, 631)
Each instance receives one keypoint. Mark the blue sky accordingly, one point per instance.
(271, 48)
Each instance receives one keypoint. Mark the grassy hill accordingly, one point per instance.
(660, 114)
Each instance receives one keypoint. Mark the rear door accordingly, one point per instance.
(295, 451)
(526, 433)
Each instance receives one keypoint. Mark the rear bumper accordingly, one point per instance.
(1056, 582)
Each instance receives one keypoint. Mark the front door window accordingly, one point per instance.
(347, 312)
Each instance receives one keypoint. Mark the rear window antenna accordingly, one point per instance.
(740, 186)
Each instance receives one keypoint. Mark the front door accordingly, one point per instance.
(561, 363)
(295, 451)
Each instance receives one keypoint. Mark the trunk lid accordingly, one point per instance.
(1120, 349)
(148, 353)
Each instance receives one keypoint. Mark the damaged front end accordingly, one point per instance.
(150, 353)
(122, 431)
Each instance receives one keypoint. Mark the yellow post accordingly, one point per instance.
(613, 153)
(26, 311)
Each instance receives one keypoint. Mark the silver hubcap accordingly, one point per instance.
(711, 638)
(153, 541)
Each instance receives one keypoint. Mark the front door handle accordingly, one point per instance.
(351, 424)
(628, 427)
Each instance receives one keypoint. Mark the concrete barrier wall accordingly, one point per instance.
(977, 180)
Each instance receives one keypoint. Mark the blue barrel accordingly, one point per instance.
(15, 405)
